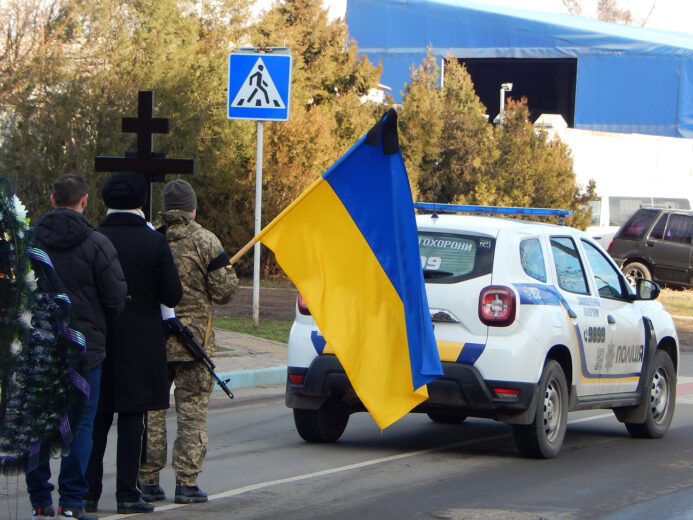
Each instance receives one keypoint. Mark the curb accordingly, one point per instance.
(258, 377)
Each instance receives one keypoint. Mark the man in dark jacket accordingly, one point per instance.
(135, 378)
(87, 264)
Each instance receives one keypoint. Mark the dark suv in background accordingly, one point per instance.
(656, 244)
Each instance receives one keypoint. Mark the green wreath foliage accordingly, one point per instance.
(41, 355)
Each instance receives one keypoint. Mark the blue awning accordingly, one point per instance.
(629, 79)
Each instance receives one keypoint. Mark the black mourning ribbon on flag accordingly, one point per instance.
(386, 129)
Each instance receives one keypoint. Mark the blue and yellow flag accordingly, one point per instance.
(349, 243)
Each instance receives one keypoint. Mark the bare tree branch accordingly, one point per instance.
(574, 7)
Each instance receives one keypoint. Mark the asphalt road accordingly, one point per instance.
(258, 468)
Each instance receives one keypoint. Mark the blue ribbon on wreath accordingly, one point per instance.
(42, 357)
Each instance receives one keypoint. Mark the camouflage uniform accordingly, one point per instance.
(207, 277)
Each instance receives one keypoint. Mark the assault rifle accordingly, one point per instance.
(174, 326)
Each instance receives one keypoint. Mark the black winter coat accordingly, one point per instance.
(87, 264)
(135, 376)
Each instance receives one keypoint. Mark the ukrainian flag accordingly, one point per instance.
(349, 243)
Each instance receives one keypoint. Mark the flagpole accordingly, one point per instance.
(242, 251)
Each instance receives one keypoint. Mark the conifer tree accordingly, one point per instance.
(533, 171)
(421, 124)
(466, 149)
(328, 116)
(453, 154)
(86, 61)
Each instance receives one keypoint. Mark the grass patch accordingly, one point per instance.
(679, 302)
(275, 330)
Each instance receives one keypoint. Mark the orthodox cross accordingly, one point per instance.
(153, 165)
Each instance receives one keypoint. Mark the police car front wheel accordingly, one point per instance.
(662, 399)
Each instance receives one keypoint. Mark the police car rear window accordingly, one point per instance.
(451, 258)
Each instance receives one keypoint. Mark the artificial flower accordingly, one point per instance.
(31, 280)
(19, 209)
(25, 318)
(15, 347)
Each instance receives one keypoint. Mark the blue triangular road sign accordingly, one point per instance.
(259, 85)
(258, 89)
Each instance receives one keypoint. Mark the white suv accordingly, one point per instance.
(532, 320)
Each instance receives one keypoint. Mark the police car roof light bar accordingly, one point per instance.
(494, 210)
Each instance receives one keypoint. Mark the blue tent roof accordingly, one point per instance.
(629, 79)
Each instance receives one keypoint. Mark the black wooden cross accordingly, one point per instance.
(154, 165)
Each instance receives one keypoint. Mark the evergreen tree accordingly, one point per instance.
(85, 78)
(532, 171)
(453, 154)
(84, 62)
(421, 124)
(327, 114)
(466, 149)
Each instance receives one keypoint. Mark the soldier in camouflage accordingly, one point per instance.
(207, 278)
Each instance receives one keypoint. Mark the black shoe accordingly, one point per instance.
(43, 512)
(75, 513)
(91, 506)
(152, 492)
(140, 506)
(189, 495)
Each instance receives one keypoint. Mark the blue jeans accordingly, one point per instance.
(71, 482)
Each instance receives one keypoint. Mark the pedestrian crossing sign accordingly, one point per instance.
(259, 84)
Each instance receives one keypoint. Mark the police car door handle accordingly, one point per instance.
(572, 313)
(610, 319)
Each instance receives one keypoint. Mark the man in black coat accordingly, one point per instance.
(135, 378)
(87, 264)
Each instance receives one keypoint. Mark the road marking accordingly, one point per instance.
(358, 465)
(592, 418)
(341, 469)
(322, 473)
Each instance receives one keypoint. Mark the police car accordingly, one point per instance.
(532, 320)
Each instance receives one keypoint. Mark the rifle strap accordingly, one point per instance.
(209, 327)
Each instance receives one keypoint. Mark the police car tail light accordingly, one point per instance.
(497, 306)
(302, 307)
(506, 393)
(296, 379)
(296, 375)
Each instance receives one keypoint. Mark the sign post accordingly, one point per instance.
(259, 90)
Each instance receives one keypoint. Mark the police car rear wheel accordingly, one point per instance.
(543, 438)
(662, 399)
(326, 424)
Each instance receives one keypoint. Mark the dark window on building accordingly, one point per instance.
(548, 84)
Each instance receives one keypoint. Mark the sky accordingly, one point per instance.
(668, 15)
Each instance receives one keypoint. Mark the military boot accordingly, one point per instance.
(152, 492)
(189, 495)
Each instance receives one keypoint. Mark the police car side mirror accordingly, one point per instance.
(646, 289)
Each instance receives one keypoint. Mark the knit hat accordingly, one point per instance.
(125, 190)
(179, 194)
